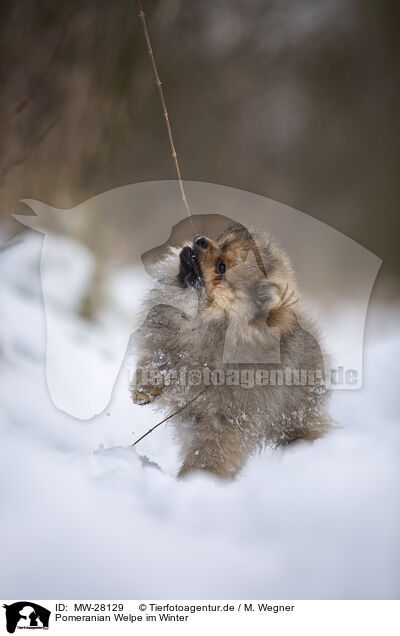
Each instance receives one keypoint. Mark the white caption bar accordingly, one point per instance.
(167, 617)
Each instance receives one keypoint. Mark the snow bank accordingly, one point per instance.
(85, 515)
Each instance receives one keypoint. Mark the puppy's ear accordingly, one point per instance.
(276, 306)
(282, 318)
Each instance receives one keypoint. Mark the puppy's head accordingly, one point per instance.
(242, 272)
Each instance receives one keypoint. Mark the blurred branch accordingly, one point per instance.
(40, 83)
(25, 154)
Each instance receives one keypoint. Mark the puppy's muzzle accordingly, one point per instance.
(189, 267)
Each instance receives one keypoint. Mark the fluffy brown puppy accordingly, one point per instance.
(225, 335)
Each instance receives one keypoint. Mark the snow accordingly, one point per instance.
(86, 515)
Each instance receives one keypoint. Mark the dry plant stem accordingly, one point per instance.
(169, 417)
(164, 107)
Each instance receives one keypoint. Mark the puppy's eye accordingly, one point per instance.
(221, 268)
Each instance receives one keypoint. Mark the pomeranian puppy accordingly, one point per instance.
(226, 344)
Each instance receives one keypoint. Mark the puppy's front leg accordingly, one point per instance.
(143, 389)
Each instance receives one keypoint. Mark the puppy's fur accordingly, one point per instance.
(230, 305)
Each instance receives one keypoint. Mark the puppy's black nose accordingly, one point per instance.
(201, 241)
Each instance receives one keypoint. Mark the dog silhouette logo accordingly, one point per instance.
(126, 232)
(26, 615)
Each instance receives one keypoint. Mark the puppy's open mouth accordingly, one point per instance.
(189, 268)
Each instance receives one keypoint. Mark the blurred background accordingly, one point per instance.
(297, 100)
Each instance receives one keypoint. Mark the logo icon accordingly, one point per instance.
(120, 262)
(26, 615)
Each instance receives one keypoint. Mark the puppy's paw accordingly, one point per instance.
(145, 395)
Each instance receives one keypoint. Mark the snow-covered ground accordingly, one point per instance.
(86, 515)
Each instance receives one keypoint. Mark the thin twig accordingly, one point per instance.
(284, 293)
(170, 416)
(164, 108)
